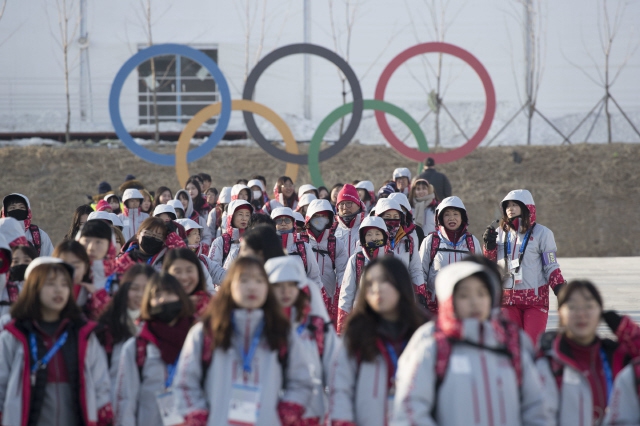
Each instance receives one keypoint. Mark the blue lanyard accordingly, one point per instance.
(108, 284)
(607, 372)
(522, 246)
(255, 341)
(302, 326)
(393, 355)
(455, 245)
(171, 372)
(45, 359)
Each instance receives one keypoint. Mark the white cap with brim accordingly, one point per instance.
(47, 260)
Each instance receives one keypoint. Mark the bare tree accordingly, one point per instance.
(4, 4)
(146, 7)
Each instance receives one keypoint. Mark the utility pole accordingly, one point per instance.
(83, 43)
(307, 60)
(529, 64)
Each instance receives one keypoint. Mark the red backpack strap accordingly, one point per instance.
(331, 248)
(302, 252)
(470, 244)
(319, 328)
(443, 353)
(35, 234)
(359, 267)
(12, 292)
(435, 245)
(408, 246)
(226, 246)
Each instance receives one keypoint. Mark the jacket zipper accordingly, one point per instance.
(503, 413)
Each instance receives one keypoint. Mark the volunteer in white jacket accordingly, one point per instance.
(330, 252)
(302, 303)
(351, 212)
(423, 201)
(189, 213)
(450, 243)
(402, 178)
(224, 249)
(132, 215)
(7, 294)
(385, 317)
(469, 368)
(304, 202)
(367, 193)
(404, 246)
(147, 368)
(374, 242)
(243, 364)
(257, 193)
(296, 243)
(624, 408)
(18, 207)
(527, 251)
(12, 234)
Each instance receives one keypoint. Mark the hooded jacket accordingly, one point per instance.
(131, 254)
(7, 295)
(624, 406)
(314, 329)
(131, 218)
(258, 202)
(567, 392)
(368, 186)
(190, 213)
(46, 247)
(480, 385)
(447, 252)
(403, 172)
(289, 243)
(330, 274)
(349, 232)
(203, 397)
(15, 382)
(402, 247)
(349, 287)
(425, 211)
(540, 268)
(216, 253)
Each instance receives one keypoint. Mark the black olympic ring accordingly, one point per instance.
(312, 49)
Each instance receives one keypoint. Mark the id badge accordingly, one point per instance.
(168, 409)
(514, 263)
(517, 278)
(244, 405)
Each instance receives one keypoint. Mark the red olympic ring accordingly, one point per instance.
(489, 112)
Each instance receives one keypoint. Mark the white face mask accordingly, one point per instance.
(319, 222)
(257, 195)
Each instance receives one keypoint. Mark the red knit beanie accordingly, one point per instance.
(348, 193)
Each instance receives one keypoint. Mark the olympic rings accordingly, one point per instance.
(336, 114)
(182, 169)
(490, 109)
(173, 49)
(332, 57)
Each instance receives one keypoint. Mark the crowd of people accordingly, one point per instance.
(340, 306)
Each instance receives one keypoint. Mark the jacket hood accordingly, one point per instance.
(12, 230)
(401, 199)
(176, 204)
(166, 208)
(132, 193)
(451, 202)
(523, 196)
(305, 188)
(231, 210)
(100, 215)
(367, 185)
(372, 222)
(298, 217)
(235, 190)
(15, 194)
(256, 182)
(188, 224)
(225, 195)
(401, 172)
(306, 199)
(282, 211)
(386, 204)
(286, 268)
(115, 220)
(317, 206)
(189, 210)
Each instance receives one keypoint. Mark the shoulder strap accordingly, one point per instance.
(636, 372)
(35, 234)
(435, 247)
(226, 246)
(302, 252)
(207, 352)
(470, 244)
(359, 267)
(443, 353)
(331, 248)
(12, 292)
(408, 246)
(141, 354)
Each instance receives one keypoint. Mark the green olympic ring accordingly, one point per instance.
(338, 113)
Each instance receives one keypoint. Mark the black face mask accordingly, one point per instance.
(17, 272)
(150, 245)
(166, 312)
(18, 214)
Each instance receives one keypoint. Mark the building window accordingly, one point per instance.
(183, 88)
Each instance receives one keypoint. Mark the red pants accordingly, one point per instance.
(532, 319)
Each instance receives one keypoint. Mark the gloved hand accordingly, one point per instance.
(490, 238)
(556, 289)
(612, 319)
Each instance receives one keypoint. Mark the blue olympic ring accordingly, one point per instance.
(169, 49)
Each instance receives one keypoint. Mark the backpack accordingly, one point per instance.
(435, 247)
(226, 246)
(35, 235)
(300, 241)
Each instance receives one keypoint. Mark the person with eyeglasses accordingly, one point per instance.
(351, 213)
(295, 243)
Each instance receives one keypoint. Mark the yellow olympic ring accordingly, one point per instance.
(182, 168)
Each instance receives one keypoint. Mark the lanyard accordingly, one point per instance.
(109, 283)
(393, 356)
(455, 245)
(171, 372)
(607, 372)
(248, 356)
(302, 326)
(45, 359)
(523, 246)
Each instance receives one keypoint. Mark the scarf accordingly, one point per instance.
(170, 338)
(421, 206)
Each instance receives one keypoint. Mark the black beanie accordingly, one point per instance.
(96, 228)
(104, 187)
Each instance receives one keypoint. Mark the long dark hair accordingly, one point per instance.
(115, 317)
(185, 254)
(158, 193)
(362, 325)
(263, 238)
(288, 202)
(525, 218)
(198, 201)
(75, 223)
(219, 312)
(164, 282)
